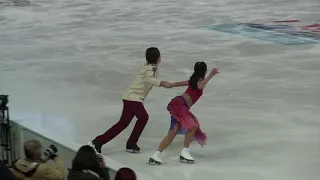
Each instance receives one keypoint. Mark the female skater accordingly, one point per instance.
(133, 98)
(182, 120)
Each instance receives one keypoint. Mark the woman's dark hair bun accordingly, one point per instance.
(200, 69)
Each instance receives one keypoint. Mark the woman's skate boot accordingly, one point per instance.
(155, 159)
(185, 156)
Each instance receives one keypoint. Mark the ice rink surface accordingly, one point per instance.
(65, 65)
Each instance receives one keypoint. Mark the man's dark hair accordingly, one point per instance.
(152, 55)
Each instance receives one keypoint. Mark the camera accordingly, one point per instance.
(3, 101)
(50, 152)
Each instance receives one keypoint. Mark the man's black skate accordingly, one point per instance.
(132, 148)
(96, 145)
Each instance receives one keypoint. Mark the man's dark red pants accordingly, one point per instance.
(130, 109)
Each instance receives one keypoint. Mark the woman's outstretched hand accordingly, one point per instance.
(214, 71)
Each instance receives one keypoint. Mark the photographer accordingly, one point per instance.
(35, 167)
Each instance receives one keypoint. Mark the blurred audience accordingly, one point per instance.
(35, 165)
(87, 165)
(125, 174)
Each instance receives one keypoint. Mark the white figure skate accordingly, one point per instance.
(186, 157)
(155, 159)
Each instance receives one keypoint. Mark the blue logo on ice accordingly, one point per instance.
(279, 33)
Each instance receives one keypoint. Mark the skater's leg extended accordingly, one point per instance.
(189, 137)
(126, 117)
(166, 141)
(185, 153)
(140, 112)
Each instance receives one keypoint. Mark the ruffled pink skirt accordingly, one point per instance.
(181, 114)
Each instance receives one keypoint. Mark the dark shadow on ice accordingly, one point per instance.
(21, 2)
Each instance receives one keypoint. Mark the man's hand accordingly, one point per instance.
(166, 84)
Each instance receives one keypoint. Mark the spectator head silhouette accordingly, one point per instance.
(125, 174)
(86, 159)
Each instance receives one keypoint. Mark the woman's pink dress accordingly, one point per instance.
(181, 114)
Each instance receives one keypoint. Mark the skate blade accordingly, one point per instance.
(153, 162)
(184, 160)
(93, 146)
(132, 151)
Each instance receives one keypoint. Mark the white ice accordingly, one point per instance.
(65, 65)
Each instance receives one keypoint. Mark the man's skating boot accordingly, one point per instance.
(132, 148)
(96, 145)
